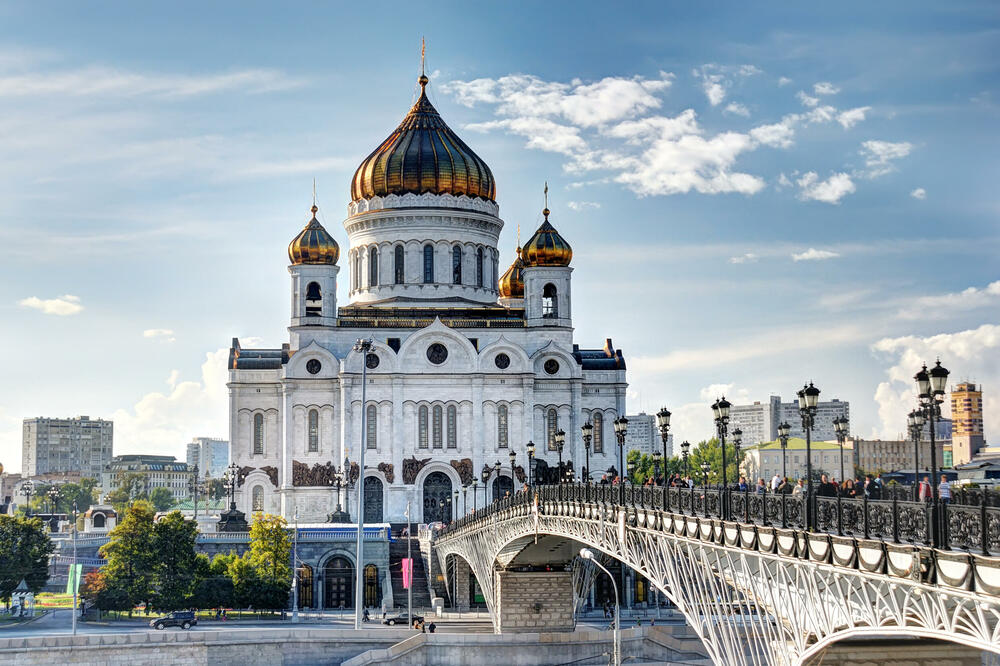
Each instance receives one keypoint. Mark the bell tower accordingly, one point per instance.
(546, 257)
(313, 255)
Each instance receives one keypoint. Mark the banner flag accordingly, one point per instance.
(73, 580)
(407, 572)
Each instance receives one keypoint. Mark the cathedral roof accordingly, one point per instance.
(511, 283)
(546, 247)
(423, 155)
(313, 245)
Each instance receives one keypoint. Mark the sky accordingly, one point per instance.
(758, 195)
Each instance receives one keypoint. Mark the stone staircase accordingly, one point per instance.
(397, 553)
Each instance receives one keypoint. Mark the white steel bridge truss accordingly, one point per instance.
(754, 595)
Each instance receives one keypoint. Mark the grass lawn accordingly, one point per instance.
(49, 600)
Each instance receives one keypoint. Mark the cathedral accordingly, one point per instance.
(469, 367)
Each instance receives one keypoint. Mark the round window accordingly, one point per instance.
(371, 360)
(437, 353)
(502, 361)
(313, 366)
(552, 366)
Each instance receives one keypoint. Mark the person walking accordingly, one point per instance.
(775, 482)
(925, 489)
(944, 490)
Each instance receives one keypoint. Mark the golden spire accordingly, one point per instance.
(423, 52)
(545, 211)
(314, 208)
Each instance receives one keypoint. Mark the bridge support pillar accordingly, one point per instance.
(533, 601)
(463, 576)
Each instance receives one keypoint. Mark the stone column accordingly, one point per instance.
(535, 601)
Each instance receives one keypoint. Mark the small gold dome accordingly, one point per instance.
(546, 247)
(511, 283)
(313, 245)
(423, 155)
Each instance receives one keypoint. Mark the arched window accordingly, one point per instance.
(398, 265)
(479, 267)
(598, 422)
(371, 425)
(551, 426)
(99, 520)
(257, 503)
(313, 431)
(356, 277)
(373, 267)
(428, 264)
(502, 426)
(456, 264)
(314, 300)
(258, 434)
(422, 427)
(549, 306)
(452, 427)
(437, 427)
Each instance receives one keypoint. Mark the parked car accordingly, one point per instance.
(182, 619)
(401, 618)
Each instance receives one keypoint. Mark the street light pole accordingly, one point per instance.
(587, 430)
(75, 574)
(513, 483)
(531, 459)
(783, 431)
(616, 655)
(362, 346)
(808, 399)
(295, 568)
(840, 426)
(737, 443)
(560, 439)
(621, 430)
(721, 411)
(915, 420)
(685, 447)
(28, 488)
(930, 391)
(704, 473)
(663, 422)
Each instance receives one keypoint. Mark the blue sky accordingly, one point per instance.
(757, 194)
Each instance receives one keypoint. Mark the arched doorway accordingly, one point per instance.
(437, 491)
(373, 499)
(98, 520)
(501, 486)
(373, 590)
(339, 584)
(305, 584)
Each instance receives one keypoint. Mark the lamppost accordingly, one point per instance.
(656, 470)
(587, 430)
(783, 431)
(496, 484)
(560, 439)
(76, 574)
(915, 421)
(685, 447)
(663, 423)
(362, 347)
(486, 484)
(704, 473)
(193, 489)
(930, 392)
(340, 480)
(53, 495)
(840, 426)
(720, 408)
(621, 429)
(455, 504)
(475, 495)
(616, 656)
(513, 458)
(737, 443)
(232, 472)
(465, 499)
(531, 460)
(28, 489)
(808, 399)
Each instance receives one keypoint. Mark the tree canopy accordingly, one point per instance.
(24, 554)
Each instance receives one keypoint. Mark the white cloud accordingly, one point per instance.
(737, 109)
(880, 155)
(943, 306)
(919, 193)
(852, 117)
(825, 88)
(164, 334)
(747, 258)
(713, 83)
(812, 254)
(776, 135)
(970, 354)
(783, 181)
(160, 422)
(821, 114)
(61, 305)
(830, 191)
(806, 99)
(749, 70)
(542, 133)
(784, 81)
(582, 205)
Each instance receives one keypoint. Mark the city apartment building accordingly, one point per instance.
(210, 455)
(878, 455)
(759, 421)
(158, 472)
(764, 461)
(644, 435)
(967, 422)
(56, 446)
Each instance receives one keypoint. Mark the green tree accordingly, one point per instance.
(216, 489)
(131, 557)
(24, 554)
(161, 498)
(131, 487)
(710, 451)
(174, 569)
(212, 587)
(246, 582)
(271, 549)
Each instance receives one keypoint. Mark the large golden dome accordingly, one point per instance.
(511, 283)
(313, 245)
(546, 247)
(423, 155)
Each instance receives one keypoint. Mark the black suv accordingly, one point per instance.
(182, 619)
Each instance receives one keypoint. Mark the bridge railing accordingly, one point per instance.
(973, 528)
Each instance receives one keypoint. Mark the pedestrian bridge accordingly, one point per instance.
(760, 589)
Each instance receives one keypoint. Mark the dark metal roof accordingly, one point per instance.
(608, 358)
(256, 359)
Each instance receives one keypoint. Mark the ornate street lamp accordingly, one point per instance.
(783, 431)
(621, 429)
(720, 409)
(685, 448)
(560, 439)
(930, 392)
(513, 484)
(663, 423)
(496, 484)
(915, 422)
(631, 467)
(656, 469)
(808, 399)
(704, 473)
(475, 495)
(531, 460)
(465, 498)
(53, 495)
(362, 347)
(737, 443)
(232, 472)
(27, 489)
(486, 484)
(587, 430)
(840, 426)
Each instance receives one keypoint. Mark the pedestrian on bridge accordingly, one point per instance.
(925, 489)
(944, 490)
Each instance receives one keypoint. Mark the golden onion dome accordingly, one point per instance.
(313, 245)
(423, 155)
(511, 283)
(546, 247)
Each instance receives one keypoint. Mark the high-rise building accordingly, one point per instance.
(967, 422)
(759, 421)
(210, 455)
(644, 435)
(66, 445)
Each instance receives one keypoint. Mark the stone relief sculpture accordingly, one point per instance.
(386, 469)
(272, 474)
(464, 469)
(412, 467)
